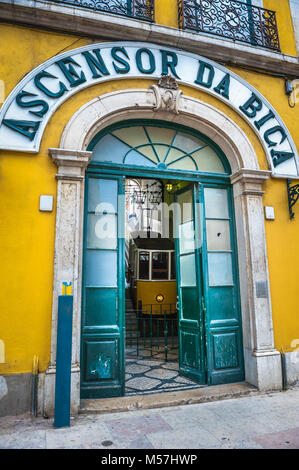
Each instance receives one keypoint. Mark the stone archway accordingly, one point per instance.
(262, 361)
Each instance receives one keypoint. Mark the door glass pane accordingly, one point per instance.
(101, 268)
(208, 160)
(216, 205)
(102, 231)
(218, 235)
(135, 158)
(132, 136)
(187, 269)
(144, 265)
(102, 195)
(186, 207)
(160, 265)
(173, 154)
(109, 149)
(185, 163)
(186, 234)
(161, 134)
(187, 142)
(220, 269)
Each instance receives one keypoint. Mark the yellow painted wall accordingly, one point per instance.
(166, 13)
(27, 235)
(283, 258)
(284, 23)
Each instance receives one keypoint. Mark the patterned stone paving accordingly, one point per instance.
(149, 373)
(263, 421)
(288, 439)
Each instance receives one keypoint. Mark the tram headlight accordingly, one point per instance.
(159, 298)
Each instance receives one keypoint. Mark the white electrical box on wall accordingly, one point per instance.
(46, 203)
(269, 213)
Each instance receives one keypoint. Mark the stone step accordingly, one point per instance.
(159, 400)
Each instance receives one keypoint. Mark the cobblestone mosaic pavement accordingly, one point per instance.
(265, 421)
(149, 373)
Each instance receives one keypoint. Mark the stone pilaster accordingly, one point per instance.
(67, 262)
(262, 360)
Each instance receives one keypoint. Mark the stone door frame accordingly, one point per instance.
(261, 359)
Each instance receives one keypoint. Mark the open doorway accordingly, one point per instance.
(151, 297)
(172, 163)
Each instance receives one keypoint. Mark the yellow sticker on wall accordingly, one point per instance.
(67, 288)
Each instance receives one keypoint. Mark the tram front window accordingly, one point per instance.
(144, 265)
(159, 266)
(172, 267)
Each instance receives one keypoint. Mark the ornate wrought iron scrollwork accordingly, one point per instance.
(141, 9)
(293, 196)
(231, 19)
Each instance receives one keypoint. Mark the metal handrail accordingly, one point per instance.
(232, 19)
(152, 331)
(139, 9)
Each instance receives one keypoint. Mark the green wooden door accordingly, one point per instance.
(189, 283)
(223, 328)
(210, 331)
(102, 331)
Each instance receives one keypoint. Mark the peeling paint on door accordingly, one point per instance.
(102, 367)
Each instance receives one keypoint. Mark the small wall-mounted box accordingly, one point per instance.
(46, 203)
(269, 213)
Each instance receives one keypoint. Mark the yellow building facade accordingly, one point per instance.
(240, 92)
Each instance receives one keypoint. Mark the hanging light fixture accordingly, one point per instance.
(140, 196)
(169, 187)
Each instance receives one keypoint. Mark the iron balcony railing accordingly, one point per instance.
(139, 9)
(232, 19)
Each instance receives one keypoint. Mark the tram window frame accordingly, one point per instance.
(159, 270)
(172, 273)
(148, 265)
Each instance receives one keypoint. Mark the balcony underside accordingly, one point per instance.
(67, 19)
(231, 19)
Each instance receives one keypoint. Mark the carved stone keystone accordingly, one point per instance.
(167, 94)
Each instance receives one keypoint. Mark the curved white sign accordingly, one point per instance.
(26, 111)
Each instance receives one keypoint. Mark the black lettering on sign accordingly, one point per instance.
(96, 63)
(252, 106)
(120, 60)
(203, 66)
(32, 103)
(27, 128)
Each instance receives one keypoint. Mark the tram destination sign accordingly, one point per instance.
(28, 108)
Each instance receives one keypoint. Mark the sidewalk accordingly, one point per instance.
(269, 421)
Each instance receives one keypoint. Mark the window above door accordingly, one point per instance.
(157, 147)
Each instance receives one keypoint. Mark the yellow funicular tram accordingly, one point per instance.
(153, 275)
